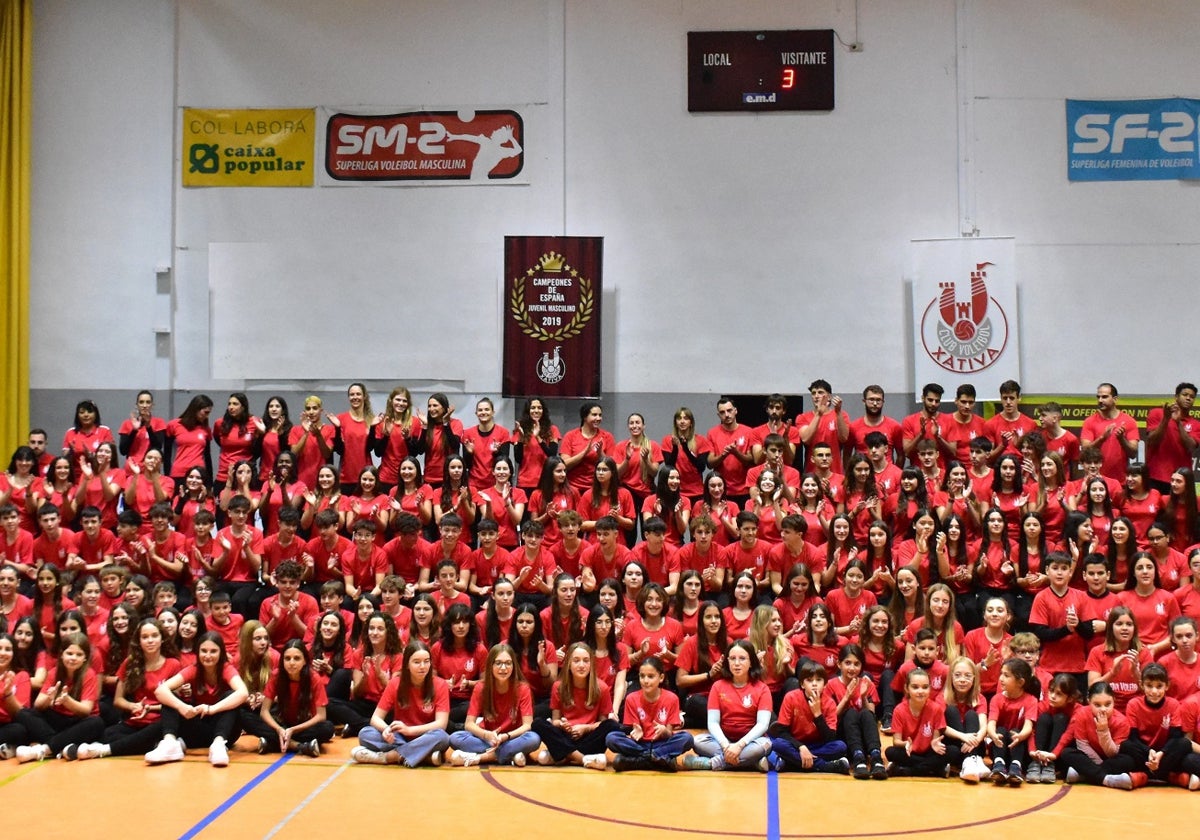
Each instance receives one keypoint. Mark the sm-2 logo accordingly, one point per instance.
(1175, 132)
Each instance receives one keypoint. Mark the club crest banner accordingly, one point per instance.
(965, 313)
(551, 306)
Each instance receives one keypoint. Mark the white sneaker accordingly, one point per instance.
(363, 755)
(596, 761)
(7, 752)
(218, 753)
(544, 758)
(93, 750)
(970, 770)
(463, 758)
(518, 760)
(36, 753)
(168, 750)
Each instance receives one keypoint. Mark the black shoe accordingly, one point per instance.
(862, 771)
(262, 745)
(312, 749)
(666, 765)
(880, 773)
(841, 766)
(623, 763)
(886, 724)
(70, 752)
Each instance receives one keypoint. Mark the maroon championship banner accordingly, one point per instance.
(552, 316)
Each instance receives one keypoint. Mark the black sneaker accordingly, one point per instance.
(70, 752)
(886, 724)
(862, 771)
(622, 763)
(878, 771)
(312, 749)
(999, 772)
(841, 766)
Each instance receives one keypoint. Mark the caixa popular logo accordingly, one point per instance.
(425, 145)
(963, 328)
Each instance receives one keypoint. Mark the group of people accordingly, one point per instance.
(486, 594)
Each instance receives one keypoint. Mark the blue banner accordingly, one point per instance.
(1132, 140)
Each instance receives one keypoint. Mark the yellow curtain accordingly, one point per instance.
(16, 107)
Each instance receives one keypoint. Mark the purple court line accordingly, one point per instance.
(491, 779)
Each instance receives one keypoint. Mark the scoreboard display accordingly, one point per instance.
(779, 70)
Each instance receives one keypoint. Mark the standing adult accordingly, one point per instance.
(873, 420)
(1172, 435)
(826, 423)
(925, 424)
(732, 452)
(1112, 431)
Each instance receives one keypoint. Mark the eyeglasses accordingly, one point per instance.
(502, 663)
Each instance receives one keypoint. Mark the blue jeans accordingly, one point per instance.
(412, 752)
(789, 753)
(527, 743)
(668, 748)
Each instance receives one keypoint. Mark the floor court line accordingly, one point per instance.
(279, 826)
(772, 806)
(233, 800)
(774, 830)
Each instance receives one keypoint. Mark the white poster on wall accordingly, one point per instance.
(965, 326)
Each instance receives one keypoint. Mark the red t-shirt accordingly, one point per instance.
(418, 710)
(739, 707)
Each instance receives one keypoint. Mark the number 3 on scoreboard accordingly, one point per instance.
(789, 78)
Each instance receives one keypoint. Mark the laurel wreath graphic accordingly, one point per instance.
(583, 313)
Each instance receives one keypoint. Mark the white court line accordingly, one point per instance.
(306, 800)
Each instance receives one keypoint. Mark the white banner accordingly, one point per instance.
(965, 314)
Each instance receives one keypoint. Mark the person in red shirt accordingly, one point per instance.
(1172, 435)
(582, 715)
(805, 736)
(581, 449)
(1011, 717)
(142, 431)
(288, 614)
(826, 423)
(241, 559)
(236, 435)
(919, 723)
(778, 424)
(961, 427)
(732, 452)
(499, 724)
(354, 432)
(409, 723)
(207, 715)
(188, 437)
(535, 438)
(1006, 429)
(66, 710)
(151, 661)
(87, 433)
(441, 439)
(925, 424)
(395, 434)
(311, 442)
(1102, 729)
(653, 717)
(483, 443)
(873, 420)
(739, 714)
(292, 717)
(1112, 431)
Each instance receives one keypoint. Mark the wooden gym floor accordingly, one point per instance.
(297, 797)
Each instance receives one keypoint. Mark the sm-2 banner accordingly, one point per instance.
(552, 315)
(1132, 140)
(965, 313)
